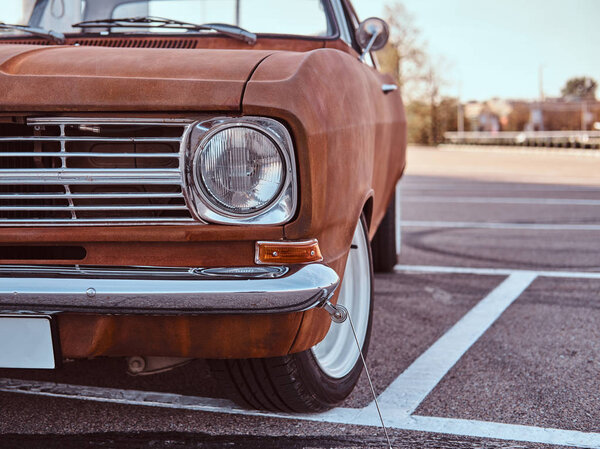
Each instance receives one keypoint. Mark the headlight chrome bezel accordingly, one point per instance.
(278, 211)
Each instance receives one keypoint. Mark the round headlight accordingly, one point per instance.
(240, 170)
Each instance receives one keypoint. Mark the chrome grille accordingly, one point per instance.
(77, 171)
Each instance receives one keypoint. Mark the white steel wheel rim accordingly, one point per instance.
(337, 354)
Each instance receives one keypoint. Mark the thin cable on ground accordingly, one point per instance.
(370, 383)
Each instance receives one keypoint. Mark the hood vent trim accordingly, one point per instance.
(117, 42)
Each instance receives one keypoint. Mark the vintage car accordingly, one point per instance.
(187, 179)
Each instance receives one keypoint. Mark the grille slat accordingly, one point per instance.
(71, 154)
(50, 196)
(93, 221)
(86, 171)
(88, 139)
(90, 177)
(83, 208)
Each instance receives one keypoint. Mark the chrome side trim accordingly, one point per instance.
(340, 18)
(172, 291)
(388, 88)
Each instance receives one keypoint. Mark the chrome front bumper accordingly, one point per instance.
(169, 291)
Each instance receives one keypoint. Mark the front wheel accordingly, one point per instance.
(323, 376)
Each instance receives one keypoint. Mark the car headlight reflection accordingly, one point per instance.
(240, 169)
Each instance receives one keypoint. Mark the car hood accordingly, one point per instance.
(71, 78)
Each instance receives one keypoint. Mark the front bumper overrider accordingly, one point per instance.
(166, 291)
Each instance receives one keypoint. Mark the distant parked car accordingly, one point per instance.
(171, 190)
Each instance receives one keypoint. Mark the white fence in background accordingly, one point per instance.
(558, 139)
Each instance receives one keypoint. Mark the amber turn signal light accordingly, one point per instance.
(288, 252)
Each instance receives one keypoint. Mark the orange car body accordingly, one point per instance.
(349, 141)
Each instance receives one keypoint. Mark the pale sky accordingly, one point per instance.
(496, 47)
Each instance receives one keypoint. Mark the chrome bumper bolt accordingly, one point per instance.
(338, 313)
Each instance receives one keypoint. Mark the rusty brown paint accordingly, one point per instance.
(350, 142)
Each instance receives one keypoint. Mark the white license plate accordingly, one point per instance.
(27, 341)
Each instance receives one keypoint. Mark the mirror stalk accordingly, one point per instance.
(367, 49)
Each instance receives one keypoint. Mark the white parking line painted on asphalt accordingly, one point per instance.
(501, 200)
(162, 400)
(405, 394)
(346, 416)
(488, 225)
(432, 269)
(500, 431)
(426, 372)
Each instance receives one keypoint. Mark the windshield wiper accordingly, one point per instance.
(54, 36)
(160, 22)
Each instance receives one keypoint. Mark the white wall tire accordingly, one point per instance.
(337, 354)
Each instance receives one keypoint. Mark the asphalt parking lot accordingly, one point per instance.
(486, 336)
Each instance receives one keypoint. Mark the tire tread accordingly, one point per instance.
(383, 244)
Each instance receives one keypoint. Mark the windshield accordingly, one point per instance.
(296, 17)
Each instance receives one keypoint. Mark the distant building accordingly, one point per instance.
(552, 114)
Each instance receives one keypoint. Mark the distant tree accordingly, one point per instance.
(447, 116)
(419, 115)
(432, 82)
(419, 122)
(389, 61)
(581, 88)
(405, 54)
(421, 80)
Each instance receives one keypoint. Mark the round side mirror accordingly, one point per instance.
(372, 34)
